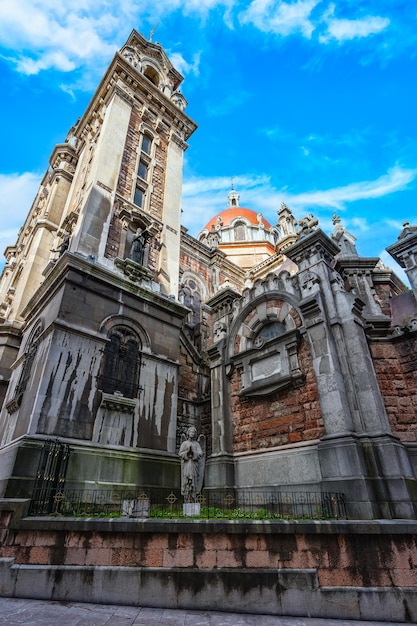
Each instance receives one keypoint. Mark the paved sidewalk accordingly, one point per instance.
(33, 612)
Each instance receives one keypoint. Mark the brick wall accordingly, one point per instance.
(396, 369)
(290, 416)
(356, 570)
(343, 553)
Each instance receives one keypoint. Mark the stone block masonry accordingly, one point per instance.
(345, 569)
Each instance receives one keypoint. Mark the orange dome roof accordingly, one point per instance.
(229, 215)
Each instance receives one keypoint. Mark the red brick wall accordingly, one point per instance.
(289, 416)
(396, 369)
(200, 267)
(364, 555)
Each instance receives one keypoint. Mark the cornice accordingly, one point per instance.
(403, 248)
(316, 242)
(76, 262)
(63, 152)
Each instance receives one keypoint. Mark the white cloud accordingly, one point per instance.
(396, 179)
(42, 34)
(360, 223)
(17, 194)
(204, 197)
(347, 29)
(281, 18)
(183, 66)
(296, 17)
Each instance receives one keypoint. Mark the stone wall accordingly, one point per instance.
(346, 570)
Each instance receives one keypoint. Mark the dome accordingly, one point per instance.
(232, 214)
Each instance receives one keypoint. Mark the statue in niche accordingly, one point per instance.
(63, 246)
(137, 250)
(192, 453)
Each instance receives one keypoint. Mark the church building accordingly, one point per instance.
(291, 353)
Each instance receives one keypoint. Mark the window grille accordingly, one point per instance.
(120, 371)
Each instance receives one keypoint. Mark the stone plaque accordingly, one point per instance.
(266, 367)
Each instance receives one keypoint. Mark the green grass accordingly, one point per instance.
(212, 513)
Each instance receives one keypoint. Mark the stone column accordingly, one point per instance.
(220, 466)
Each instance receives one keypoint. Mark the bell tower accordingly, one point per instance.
(132, 141)
(90, 324)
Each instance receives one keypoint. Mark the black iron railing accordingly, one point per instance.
(211, 504)
(50, 477)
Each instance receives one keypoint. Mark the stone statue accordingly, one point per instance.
(192, 454)
(64, 245)
(138, 245)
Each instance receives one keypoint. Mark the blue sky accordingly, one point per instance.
(308, 102)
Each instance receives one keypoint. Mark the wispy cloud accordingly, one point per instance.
(40, 35)
(17, 194)
(347, 29)
(281, 18)
(310, 18)
(44, 36)
(184, 66)
(203, 197)
(396, 179)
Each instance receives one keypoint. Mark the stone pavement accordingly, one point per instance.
(32, 612)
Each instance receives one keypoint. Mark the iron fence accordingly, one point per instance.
(50, 477)
(211, 504)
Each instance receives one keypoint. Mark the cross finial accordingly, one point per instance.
(153, 32)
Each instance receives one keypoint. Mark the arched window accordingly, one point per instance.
(272, 330)
(30, 353)
(190, 296)
(121, 361)
(152, 74)
(240, 231)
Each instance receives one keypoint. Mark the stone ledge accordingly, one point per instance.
(282, 592)
(362, 527)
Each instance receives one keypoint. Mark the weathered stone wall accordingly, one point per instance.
(356, 570)
(289, 416)
(396, 369)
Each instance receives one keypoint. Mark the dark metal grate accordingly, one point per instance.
(50, 478)
(213, 504)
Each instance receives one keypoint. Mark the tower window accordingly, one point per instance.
(146, 144)
(152, 75)
(143, 171)
(139, 197)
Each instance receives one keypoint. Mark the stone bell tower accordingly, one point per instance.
(90, 320)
